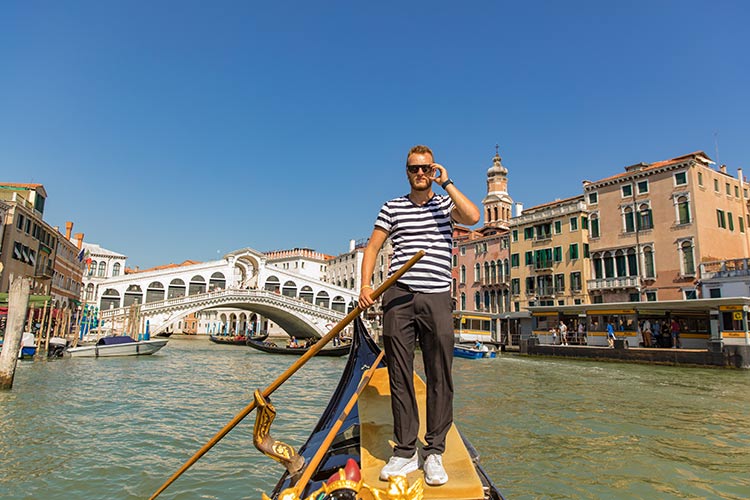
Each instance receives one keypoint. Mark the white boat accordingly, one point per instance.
(122, 345)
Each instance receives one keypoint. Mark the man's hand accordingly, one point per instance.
(365, 297)
(443, 174)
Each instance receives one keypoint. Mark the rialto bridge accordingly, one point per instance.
(301, 305)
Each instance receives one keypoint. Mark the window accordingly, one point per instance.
(628, 219)
(642, 187)
(716, 185)
(574, 223)
(634, 297)
(720, 219)
(728, 187)
(462, 278)
(650, 296)
(645, 220)
(585, 250)
(515, 235)
(514, 260)
(593, 198)
(515, 286)
(700, 179)
(454, 263)
(680, 179)
(683, 210)
(477, 272)
(736, 191)
(648, 262)
(528, 233)
(627, 191)
(557, 254)
(594, 226)
(691, 294)
(558, 227)
(730, 220)
(742, 224)
(463, 250)
(477, 302)
(19, 222)
(530, 284)
(463, 301)
(559, 283)
(688, 264)
(584, 222)
(714, 293)
(573, 251)
(529, 258)
(575, 281)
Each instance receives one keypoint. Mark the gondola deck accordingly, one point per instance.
(377, 429)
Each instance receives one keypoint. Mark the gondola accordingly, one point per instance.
(236, 339)
(359, 444)
(341, 350)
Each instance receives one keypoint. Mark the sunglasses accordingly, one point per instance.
(413, 169)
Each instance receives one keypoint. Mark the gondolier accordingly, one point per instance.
(419, 306)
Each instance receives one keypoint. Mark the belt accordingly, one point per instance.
(404, 287)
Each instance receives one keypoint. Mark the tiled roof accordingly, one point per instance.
(20, 185)
(654, 166)
(159, 268)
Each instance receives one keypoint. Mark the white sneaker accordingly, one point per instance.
(398, 466)
(434, 472)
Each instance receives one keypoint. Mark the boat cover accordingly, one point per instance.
(120, 339)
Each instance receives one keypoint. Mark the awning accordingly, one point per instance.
(37, 300)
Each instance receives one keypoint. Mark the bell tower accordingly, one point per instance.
(498, 203)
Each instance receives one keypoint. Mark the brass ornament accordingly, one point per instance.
(277, 450)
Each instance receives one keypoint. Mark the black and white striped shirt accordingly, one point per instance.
(412, 228)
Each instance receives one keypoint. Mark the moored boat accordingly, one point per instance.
(235, 339)
(270, 347)
(471, 351)
(362, 436)
(28, 346)
(122, 345)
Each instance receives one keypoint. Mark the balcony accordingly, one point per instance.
(725, 269)
(543, 265)
(44, 272)
(622, 282)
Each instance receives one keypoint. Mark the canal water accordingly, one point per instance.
(118, 428)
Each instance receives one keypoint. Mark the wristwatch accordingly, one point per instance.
(446, 183)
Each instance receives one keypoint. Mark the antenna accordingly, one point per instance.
(716, 147)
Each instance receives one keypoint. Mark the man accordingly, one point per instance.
(563, 333)
(610, 334)
(419, 306)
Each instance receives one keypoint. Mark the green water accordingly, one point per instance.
(119, 427)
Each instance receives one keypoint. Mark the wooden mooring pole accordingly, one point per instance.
(18, 302)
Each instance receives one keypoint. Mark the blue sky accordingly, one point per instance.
(184, 130)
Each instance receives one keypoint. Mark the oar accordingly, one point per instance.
(323, 448)
(288, 373)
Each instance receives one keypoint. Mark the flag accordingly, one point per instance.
(80, 254)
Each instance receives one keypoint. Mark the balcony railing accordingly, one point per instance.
(614, 283)
(725, 269)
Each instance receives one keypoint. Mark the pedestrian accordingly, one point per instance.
(610, 334)
(419, 307)
(563, 333)
(646, 332)
(581, 333)
(675, 327)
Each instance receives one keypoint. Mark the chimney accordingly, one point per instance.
(351, 245)
(519, 209)
(723, 169)
(79, 238)
(68, 229)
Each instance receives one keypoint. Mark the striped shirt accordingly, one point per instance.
(413, 228)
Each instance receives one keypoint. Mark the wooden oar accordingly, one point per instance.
(288, 373)
(323, 448)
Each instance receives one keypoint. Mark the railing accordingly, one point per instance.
(725, 268)
(614, 283)
(291, 302)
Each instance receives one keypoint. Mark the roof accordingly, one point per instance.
(160, 268)
(93, 248)
(648, 167)
(15, 186)
(572, 199)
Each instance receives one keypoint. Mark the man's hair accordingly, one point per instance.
(419, 149)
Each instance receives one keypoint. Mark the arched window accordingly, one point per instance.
(477, 301)
(683, 210)
(462, 278)
(596, 260)
(176, 288)
(645, 220)
(306, 294)
(632, 263)
(688, 263)
(463, 301)
(272, 284)
(477, 272)
(594, 226)
(290, 290)
(323, 299)
(92, 267)
(486, 272)
(89, 292)
(648, 262)
(629, 223)
(102, 269)
(609, 265)
(116, 269)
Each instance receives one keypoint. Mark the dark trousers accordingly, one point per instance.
(409, 316)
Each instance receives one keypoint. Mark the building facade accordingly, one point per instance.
(29, 245)
(653, 225)
(67, 279)
(100, 265)
(549, 255)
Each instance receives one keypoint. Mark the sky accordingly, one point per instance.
(175, 130)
